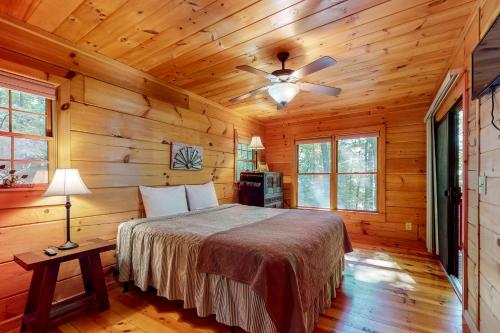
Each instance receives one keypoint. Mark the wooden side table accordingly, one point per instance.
(39, 308)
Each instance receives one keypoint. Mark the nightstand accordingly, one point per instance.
(39, 307)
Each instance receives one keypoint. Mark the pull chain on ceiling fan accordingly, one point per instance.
(284, 82)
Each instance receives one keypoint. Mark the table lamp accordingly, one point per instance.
(256, 144)
(66, 182)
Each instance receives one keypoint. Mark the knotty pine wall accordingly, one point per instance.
(489, 224)
(118, 139)
(482, 301)
(405, 165)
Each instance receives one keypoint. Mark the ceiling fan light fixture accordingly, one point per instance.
(284, 82)
(283, 92)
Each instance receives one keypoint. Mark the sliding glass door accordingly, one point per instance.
(449, 164)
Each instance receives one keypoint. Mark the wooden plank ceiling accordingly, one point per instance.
(390, 53)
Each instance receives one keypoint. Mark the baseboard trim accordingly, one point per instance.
(11, 324)
(470, 323)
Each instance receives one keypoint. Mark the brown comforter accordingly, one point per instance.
(285, 259)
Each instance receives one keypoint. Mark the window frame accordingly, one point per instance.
(49, 138)
(377, 131)
(313, 141)
(337, 173)
(242, 140)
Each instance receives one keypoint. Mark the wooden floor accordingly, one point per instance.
(386, 288)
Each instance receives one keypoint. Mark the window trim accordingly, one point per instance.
(334, 136)
(337, 173)
(298, 173)
(49, 138)
(242, 140)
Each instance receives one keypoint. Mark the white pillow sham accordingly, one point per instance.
(164, 201)
(201, 196)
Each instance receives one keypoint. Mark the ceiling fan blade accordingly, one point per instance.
(256, 71)
(319, 89)
(249, 94)
(313, 67)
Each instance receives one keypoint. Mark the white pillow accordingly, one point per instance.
(164, 201)
(201, 196)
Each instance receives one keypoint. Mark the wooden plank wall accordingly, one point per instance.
(489, 204)
(489, 223)
(483, 260)
(118, 139)
(405, 165)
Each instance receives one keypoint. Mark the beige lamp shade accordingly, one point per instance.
(256, 143)
(66, 182)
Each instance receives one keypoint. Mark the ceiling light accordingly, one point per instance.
(284, 92)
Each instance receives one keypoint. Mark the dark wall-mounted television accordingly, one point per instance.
(486, 62)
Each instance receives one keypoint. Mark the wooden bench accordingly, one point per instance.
(39, 307)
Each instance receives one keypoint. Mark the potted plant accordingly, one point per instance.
(9, 178)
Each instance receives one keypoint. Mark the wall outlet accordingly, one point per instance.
(408, 226)
(481, 184)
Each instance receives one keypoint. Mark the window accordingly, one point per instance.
(246, 159)
(314, 160)
(25, 129)
(352, 184)
(357, 173)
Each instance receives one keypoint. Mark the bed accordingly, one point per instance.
(262, 269)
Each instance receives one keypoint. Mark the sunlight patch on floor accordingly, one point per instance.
(380, 268)
(374, 275)
(381, 260)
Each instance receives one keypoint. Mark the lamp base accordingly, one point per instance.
(67, 246)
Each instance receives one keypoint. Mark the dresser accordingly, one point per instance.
(263, 189)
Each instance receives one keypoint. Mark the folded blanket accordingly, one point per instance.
(286, 259)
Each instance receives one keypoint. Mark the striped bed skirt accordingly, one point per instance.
(234, 303)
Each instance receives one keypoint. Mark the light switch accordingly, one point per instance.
(481, 184)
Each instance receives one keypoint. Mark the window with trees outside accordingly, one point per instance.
(246, 159)
(352, 185)
(25, 132)
(314, 168)
(357, 173)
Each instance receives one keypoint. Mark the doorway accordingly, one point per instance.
(450, 180)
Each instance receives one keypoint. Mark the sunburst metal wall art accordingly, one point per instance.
(186, 157)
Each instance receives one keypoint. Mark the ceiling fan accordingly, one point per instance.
(284, 82)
